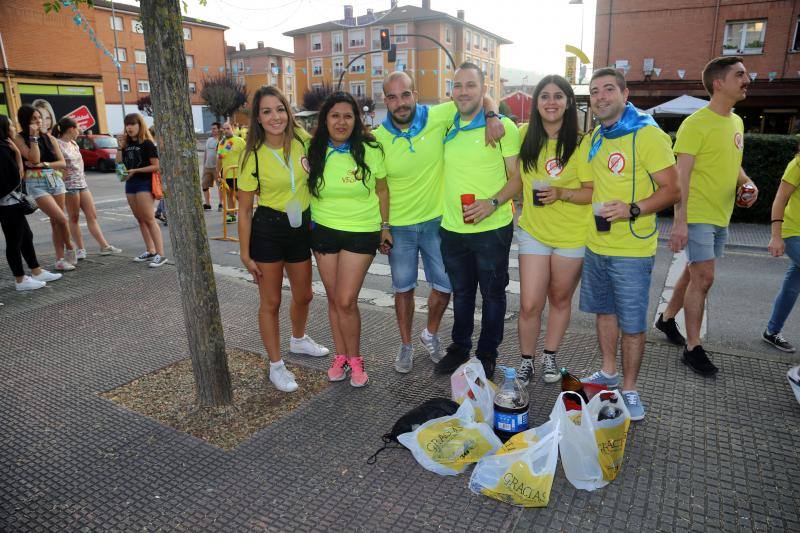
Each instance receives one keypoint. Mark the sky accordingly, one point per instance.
(538, 28)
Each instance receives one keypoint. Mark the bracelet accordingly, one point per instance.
(385, 225)
(776, 220)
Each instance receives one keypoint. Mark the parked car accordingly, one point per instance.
(98, 151)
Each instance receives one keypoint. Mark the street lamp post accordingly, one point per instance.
(116, 60)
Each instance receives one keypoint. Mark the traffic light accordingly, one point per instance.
(384, 39)
(392, 53)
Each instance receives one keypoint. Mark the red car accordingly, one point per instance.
(98, 151)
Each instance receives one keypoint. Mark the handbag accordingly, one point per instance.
(158, 189)
(26, 201)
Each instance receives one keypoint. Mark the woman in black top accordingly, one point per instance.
(19, 239)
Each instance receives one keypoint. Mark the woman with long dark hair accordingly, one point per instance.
(276, 238)
(349, 213)
(139, 154)
(18, 236)
(44, 164)
(553, 224)
(78, 198)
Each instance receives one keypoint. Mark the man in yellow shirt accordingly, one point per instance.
(229, 151)
(709, 145)
(477, 227)
(631, 162)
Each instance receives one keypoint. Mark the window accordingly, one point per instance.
(316, 86)
(316, 67)
(337, 42)
(136, 26)
(143, 86)
(359, 66)
(491, 48)
(476, 41)
(140, 56)
(796, 45)
(377, 90)
(400, 29)
(125, 85)
(467, 39)
(338, 66)
(377, 64)
(116, 23)
(402, 61)
(485, 44)
(189, 61)
(491, 71)
(241, 64)
(358, 89)
(356, 38)
(448, 35)
(448, 87)
(745, 37)
(376, 39)
(187, 34)
(192, 87)
(120, 54)
(316, 42)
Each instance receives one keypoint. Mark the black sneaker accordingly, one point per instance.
(525, 371)
(698, 360)
(455, 356)
(488, 361)
(219, 207)
(206, 207)
(670, 329)
(777, 341)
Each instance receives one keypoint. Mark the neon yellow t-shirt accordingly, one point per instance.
(560, 224)
(471, 167)
(346, 202)
(791, 216)
(716, 142)
(415, 178)
(613, 175)
(275, 180)
(229, 150)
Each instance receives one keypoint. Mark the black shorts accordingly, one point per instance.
(272, 239)
(327, 240)
(231, 183)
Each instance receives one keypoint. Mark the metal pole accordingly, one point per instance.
(7, 71)
(116, 60)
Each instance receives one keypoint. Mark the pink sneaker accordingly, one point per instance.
(338, 369)
(358, 377)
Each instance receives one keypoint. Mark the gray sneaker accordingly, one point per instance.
(433, 346)
(405, 359)
(550, 373)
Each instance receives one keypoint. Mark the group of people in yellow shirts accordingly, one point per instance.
(437, 182)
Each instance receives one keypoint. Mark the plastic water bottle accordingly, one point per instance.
(510, 407)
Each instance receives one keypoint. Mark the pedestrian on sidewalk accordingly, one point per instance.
(709, 147)
(785, 239)
(630, 160)
(139, 154)
(275, 165)
(17, 233)
(552, 227)
(229, 152)
(210, 167)
(349, 213)
(78, 197)
(43, 165)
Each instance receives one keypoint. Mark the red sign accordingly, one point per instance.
(83, 117)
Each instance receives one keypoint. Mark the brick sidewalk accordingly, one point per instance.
(712, 455)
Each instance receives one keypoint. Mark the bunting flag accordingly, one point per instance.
(77, 18)
(221, 69)
(304, 70)
(205, 69)
(422, 72)
(435, 72)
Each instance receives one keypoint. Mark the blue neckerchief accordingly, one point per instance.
(343, 148)
(632, 120)
(417, 125)
(478, 122)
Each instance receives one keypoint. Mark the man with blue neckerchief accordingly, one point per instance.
(631, 163)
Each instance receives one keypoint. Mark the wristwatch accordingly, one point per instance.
(635, 211)
(495, 202)
(491, 114)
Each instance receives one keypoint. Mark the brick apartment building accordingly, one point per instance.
(262, 65)
(322, 51)
(664, 45)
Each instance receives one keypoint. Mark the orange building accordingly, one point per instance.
(322, 51)
(262, 65)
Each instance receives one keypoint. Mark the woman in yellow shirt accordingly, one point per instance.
(553, 224)
(275, 239)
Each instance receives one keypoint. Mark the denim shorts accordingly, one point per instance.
(528, 244)
(706, 242)
(38, 187)
(411, 241)
(613, 285)
(136, 185)
(73, 192)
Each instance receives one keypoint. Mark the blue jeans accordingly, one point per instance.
(472, 260)
(790, 289)
(409, 243)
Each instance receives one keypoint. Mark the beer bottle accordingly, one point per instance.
(572, 384)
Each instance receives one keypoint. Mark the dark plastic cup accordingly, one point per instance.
(539, 186)
(600, 222)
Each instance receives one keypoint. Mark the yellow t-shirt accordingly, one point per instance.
(274, 183)
(613, 174)
(346, 201)
(415, 178)
(791, 216)
(560, 224)
(471, 167)
(716, 142)
(229, 150)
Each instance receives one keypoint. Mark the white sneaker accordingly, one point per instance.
(71, 256)
(29, 284)
(80, 254)
(108, 250)
(46, 275)
(282, 379)
(64, 265)
(307, 346)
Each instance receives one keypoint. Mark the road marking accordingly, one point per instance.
(674, 273)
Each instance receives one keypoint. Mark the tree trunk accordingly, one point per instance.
(166, 66)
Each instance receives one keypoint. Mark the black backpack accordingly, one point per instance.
(428, 410)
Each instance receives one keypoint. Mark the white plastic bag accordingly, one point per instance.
(793, 375)
(469, 383)
(447, 445)
(521, 472)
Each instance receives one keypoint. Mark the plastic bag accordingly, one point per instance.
(591, 451)
(469, 383)
(793, 375)
(447, 445)
(521, 472)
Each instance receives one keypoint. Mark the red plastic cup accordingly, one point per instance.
(466, 201)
